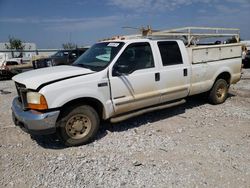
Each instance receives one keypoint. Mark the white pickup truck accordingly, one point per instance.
(119, 79)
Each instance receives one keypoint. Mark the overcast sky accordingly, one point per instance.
(49, 23)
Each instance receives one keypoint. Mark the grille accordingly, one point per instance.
(21, 91)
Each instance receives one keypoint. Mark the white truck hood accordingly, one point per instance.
(35, 78)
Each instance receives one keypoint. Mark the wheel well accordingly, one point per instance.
(226, 76)
(96, 104)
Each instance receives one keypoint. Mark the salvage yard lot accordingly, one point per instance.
(195, 144)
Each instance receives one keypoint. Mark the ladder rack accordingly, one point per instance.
(190, 34)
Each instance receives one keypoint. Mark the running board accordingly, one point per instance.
(143, 111)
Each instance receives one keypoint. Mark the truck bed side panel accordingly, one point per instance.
(208, 62)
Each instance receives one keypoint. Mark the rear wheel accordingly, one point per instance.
(78, 125)
(218, 93)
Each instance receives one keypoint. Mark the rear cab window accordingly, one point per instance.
(170, 53)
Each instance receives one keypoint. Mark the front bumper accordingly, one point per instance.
(34, 122)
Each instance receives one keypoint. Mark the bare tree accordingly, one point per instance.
(15, 44)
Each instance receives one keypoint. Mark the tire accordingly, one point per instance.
(78, 126)
(219, 92)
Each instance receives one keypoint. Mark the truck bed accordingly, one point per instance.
(209, 53)
(210, 60)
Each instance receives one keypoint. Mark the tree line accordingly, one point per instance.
(17, 44)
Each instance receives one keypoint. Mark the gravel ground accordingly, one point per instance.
(193, 145)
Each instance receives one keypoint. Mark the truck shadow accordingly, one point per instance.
(52, 142)
(151, 117)
(48, 141)
(155, 116)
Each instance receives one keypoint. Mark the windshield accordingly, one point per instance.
(99, 55)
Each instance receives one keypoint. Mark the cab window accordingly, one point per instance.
(170, 53)
(135, 57)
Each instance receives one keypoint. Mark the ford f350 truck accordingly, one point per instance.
(121, 78)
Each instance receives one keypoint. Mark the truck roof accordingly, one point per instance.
(140, 40)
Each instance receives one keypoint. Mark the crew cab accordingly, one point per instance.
(119, 79)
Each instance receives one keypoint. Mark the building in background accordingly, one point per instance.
(28, 51)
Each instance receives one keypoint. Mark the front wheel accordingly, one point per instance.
(78, 126)
(218, 93)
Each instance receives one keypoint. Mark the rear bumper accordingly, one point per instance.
(34, 122)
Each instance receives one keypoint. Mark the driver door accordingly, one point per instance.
(134, 79)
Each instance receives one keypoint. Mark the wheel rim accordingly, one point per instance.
(221, 91)
(78, 126)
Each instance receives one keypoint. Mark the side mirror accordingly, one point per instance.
(119, 70)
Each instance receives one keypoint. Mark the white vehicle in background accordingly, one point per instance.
(246, 43)
(6, 63)
(12, 66)
(124, 77)
(4, 56)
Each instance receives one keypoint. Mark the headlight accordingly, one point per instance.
(36, 101)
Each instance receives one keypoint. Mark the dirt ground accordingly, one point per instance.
(193, 145)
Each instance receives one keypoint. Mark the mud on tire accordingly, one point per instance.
(219, 92)
(77, 126)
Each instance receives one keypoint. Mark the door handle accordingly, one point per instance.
(185, 72)
(157, 76)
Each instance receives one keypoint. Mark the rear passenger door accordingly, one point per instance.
(175, 73)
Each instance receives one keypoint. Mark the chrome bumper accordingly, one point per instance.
(32, 121)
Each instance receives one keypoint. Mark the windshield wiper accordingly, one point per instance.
(82, 65)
